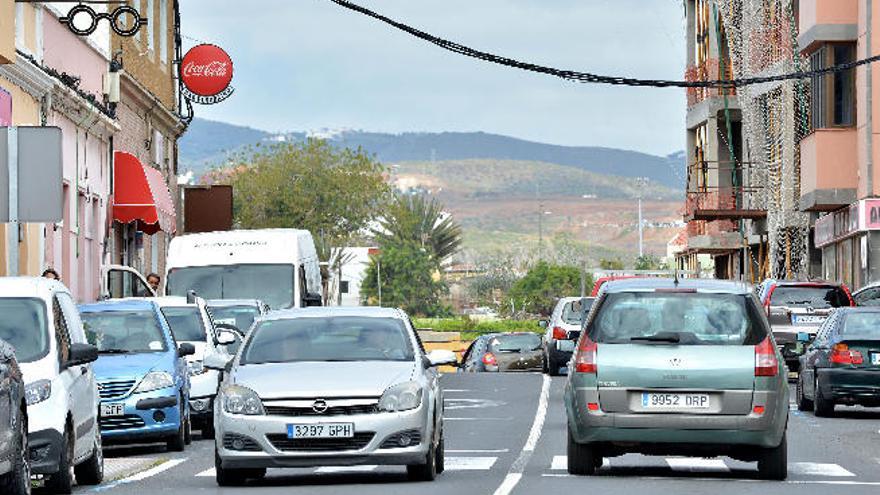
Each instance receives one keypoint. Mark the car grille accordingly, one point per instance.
(281, 442)
(121, 422)
(114, 389)
(331, 411)
(246, 444)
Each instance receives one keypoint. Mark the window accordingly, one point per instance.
(150, 27)
(701, 32)
(833, 95)
(62, 337)
(163, 31)
(343, 286)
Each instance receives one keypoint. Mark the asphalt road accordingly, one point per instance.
(504, 438)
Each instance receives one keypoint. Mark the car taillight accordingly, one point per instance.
(585, 361)
(559, 333)
(842, 354)
(489, 359)
(766, 363)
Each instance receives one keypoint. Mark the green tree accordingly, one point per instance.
(647, 262)
(409, 278)
(544, 284)
(415, 218)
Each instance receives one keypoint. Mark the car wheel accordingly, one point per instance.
(441, 453)
(188, 433)
(822, 406)
(425, 471)
(773, 463)
(18, 480)
(581, 458)
(177, 443)
(234, 477)
(91, 471)
(546, 364)
(62, 481)
(803, 404)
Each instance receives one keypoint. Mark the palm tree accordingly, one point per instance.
(417, 218)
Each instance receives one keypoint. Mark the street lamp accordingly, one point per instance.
(640, 185)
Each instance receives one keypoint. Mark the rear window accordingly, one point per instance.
(573, 312)
(861, 325)
(186, 323)
(515, 343)
(677, 318)
(809, 296)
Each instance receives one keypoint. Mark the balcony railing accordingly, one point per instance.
(709, 70)
(723, 203)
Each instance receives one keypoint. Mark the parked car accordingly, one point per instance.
(365, 392)
(601, 281)
(842, 365)
(190, 323)
(562, 331)
(142, 374)
(668, 367)
(41, 322)
(15, 465)
(500, 352)
(795, 307)
(868, 295)
(239, 313)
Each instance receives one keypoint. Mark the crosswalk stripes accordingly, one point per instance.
(346, 469)
(697, 465)
(819, 469)
(453, 463)
(207, 473)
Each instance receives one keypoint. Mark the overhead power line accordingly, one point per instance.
(590, 78)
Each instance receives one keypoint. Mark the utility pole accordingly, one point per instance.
(640, 184)
(540, 222)
(379, 279)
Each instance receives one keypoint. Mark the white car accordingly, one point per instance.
(330, 386)
(191, 323)
(41, 322)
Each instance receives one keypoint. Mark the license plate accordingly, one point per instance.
(110, 410)
(875, 358)
(806, 319)
(325, 430)
(651, 400)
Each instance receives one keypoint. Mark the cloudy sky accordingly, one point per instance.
(309, 64)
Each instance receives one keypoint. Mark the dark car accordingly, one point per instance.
(842, 365)
(795, 307)
(498, 352)
(15, 470)
(562, 330)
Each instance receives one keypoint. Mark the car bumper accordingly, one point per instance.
(265, 450)
(851, 386)
(558, 356)
(44, 447)
(151, 415)
(201, 410)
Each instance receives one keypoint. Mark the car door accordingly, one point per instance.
(78, 380)
(814, 353)
(7, 425)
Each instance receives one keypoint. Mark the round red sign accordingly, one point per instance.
(206, 70)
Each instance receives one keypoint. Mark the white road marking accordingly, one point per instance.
(515, 472)
(559, 463)
(142, 475)
(346, 469)
(207, 473)
(456, 390)
(739, 480)
(696, 465)
(484, 451)
(477, 419)
(819, 469)
(470, 463)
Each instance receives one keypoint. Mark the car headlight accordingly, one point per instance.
(241, 400)
(196, 368)
(401, 397)
(154, 380)
(37, 392)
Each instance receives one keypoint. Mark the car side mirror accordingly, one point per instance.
(803, 337)
(226, 335)
(216, 362)
(313, 299)
(543, 323)
(442, 357)
(82, 354)
(185, 349)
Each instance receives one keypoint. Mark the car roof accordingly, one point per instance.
(117, 305)
(331, 311)
(807, 283)
(166, 301)
(700, 285)
(41, 287)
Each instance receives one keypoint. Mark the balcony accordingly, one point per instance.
(708, 71)
(829, 169)
(728, 203)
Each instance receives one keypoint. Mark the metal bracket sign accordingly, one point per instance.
(31, 157)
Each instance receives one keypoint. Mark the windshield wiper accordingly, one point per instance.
(113, 351)
(671, 337)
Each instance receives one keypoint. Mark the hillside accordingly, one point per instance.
(208, 143)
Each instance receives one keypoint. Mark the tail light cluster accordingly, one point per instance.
(842, 354)
(489, 359)
(559, 333)
(766, 363)
(585, 357)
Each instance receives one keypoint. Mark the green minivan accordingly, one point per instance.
(677, 367)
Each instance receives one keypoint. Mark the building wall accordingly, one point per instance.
(147, 65)
(7, 31)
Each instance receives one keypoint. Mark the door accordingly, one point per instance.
(78, 381)
(122, 281)
(814, 355)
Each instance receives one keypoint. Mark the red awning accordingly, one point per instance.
(141, 195)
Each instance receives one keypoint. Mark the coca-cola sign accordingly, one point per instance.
(206, 74)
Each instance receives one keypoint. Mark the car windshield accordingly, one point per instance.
(23, 326)
(123, 332)
(515, 343)
(186, 323)
(573, 312)
(809, 296)
(242, 317)
(861, 326)
(341, 338)
(273, 284)
(677, 318)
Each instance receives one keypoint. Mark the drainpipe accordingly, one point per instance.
(869, 98)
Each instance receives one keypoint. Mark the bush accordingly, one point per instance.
(470, 328)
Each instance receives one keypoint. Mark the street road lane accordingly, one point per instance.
(489, 419)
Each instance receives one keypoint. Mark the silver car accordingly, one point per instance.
(330, 387)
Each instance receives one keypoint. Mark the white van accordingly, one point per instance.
(41, 322)
(277, 266)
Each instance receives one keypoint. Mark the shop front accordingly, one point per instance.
(849, 240)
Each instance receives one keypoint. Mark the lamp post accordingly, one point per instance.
(641, 182)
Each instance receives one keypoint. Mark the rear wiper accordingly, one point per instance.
(671, 337)
(113, 351)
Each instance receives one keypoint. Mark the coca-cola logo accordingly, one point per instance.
(206, 71)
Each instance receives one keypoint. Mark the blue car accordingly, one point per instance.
(142, 375)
